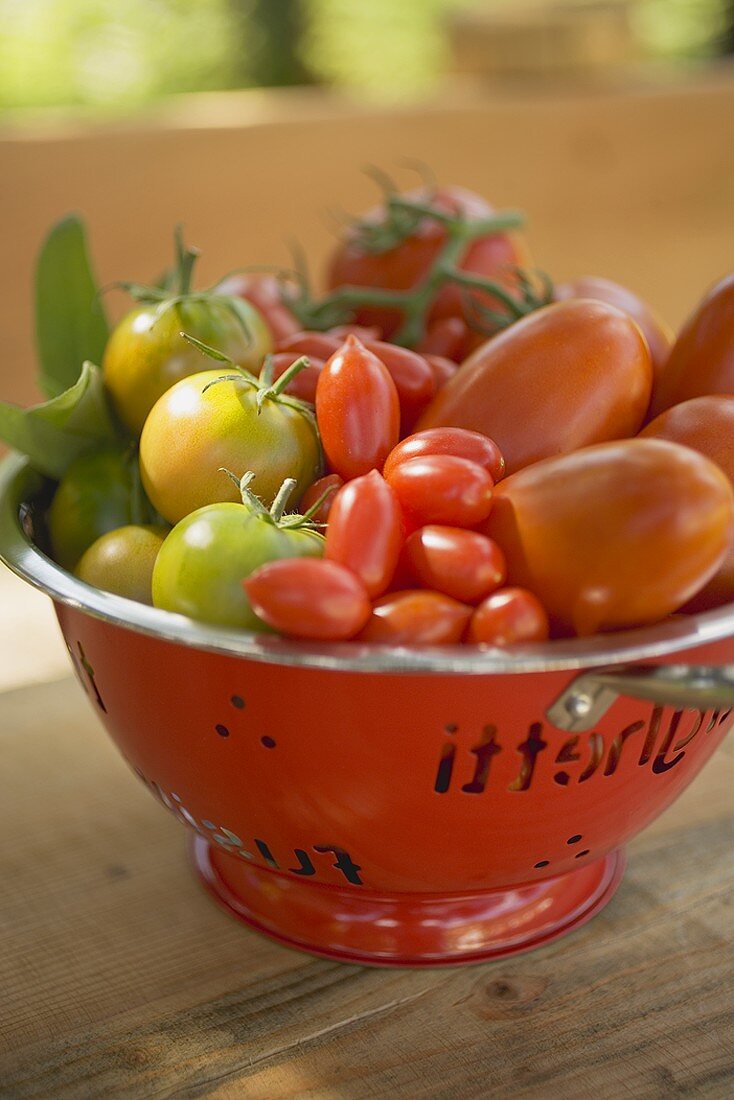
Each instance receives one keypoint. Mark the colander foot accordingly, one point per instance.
(358, 926)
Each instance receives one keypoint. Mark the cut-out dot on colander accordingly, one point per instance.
(542, 863)
(574, 839)
(238, 702)
(221, 730)
(268, 742)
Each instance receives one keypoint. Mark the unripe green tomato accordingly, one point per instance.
(201, 565)
(197, 429)
(94, 496)
(146, 354)
(122, 561)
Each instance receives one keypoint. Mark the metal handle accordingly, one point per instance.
(591, 695)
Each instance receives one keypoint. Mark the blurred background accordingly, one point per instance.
(610, 122)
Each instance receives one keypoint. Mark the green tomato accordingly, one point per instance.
(122, 561)
(201, 565)
(212, 421)
(146, 354)
(95, 495)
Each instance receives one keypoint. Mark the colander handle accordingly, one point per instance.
(591, 694)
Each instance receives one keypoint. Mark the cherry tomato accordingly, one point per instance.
(658, 335)
(303, 386)
(202, 425)
(305, 598)
(201, 565)
(707, 425)
(443, 369)
(403, 266)
(571, 374)
(357, 410)
(316, 491)
(365, 531)
(508, 617)
(321, 345)
(449, 441)
(146, 354)
(416, 617)
(413, 377)
(443, 489)
(265, 292)
(94, 496)
(445, 338)
(702, 359)
(122, 561)
(459, 563)
(616, 535)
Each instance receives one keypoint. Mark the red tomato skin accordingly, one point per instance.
(445, 338)
(659, 336)
(707, 425)
(443, 369)
(303, 386)
(357, 411)
(317, 490)
(443, 489)
(508, 617)
(567, 376)
(449, 441)
(365, 531)
(264, 291)
(326, 603)
(416, 617)
(413, 377)
(460, 563)
(400, 268)
(322, 345)
(702, 359)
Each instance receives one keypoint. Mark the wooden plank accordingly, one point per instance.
(121, 979)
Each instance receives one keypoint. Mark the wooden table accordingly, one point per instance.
(120, 978)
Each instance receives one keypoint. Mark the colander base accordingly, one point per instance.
(358, 926)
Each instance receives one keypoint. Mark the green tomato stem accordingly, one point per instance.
(282, 497)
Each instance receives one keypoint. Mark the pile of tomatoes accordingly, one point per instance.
(443, 448)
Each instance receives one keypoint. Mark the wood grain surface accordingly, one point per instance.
(120, 978)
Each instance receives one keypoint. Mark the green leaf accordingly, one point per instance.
(55, 433)
(70, 320)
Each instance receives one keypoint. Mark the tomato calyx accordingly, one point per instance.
(276, 515)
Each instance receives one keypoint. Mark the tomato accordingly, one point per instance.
(303, 385)
(316, 491)
(201, 565)
(571, 374)
(443, 369)
(146, 354)
(95, 495)
(303, 598)
(446, 338)
(201, 426)
(707, 425)
(265, 292)
(616, 535)
(659, 336)
(406, 264)
(459, 563)
(413, 377)
(416, 617)
(702, 359)
(508, 617)
(443, 489)
(122, 561)
(449, 441)
(357, 410)
(320, 345)
(365, 531)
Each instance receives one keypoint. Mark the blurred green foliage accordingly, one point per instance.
(117, 53)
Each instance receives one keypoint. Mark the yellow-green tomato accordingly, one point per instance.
(201, 426)
(122, 561)
(201, 565)
(95, 495)
(146, 353)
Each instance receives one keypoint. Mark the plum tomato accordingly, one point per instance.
(446, 339)
(442, 489)
(213, 421)
(413, 377)
(449, 441)
(365, 531)
(416, 617)
(357, 410)
(567, 376)
(122, 561)
(307, 598)
(303, 386)
(146, 354)
(508, 617)
(443, 369)
(702, 359)
(265, 291)
(315, 492)
(616, 535)
(459, 563)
